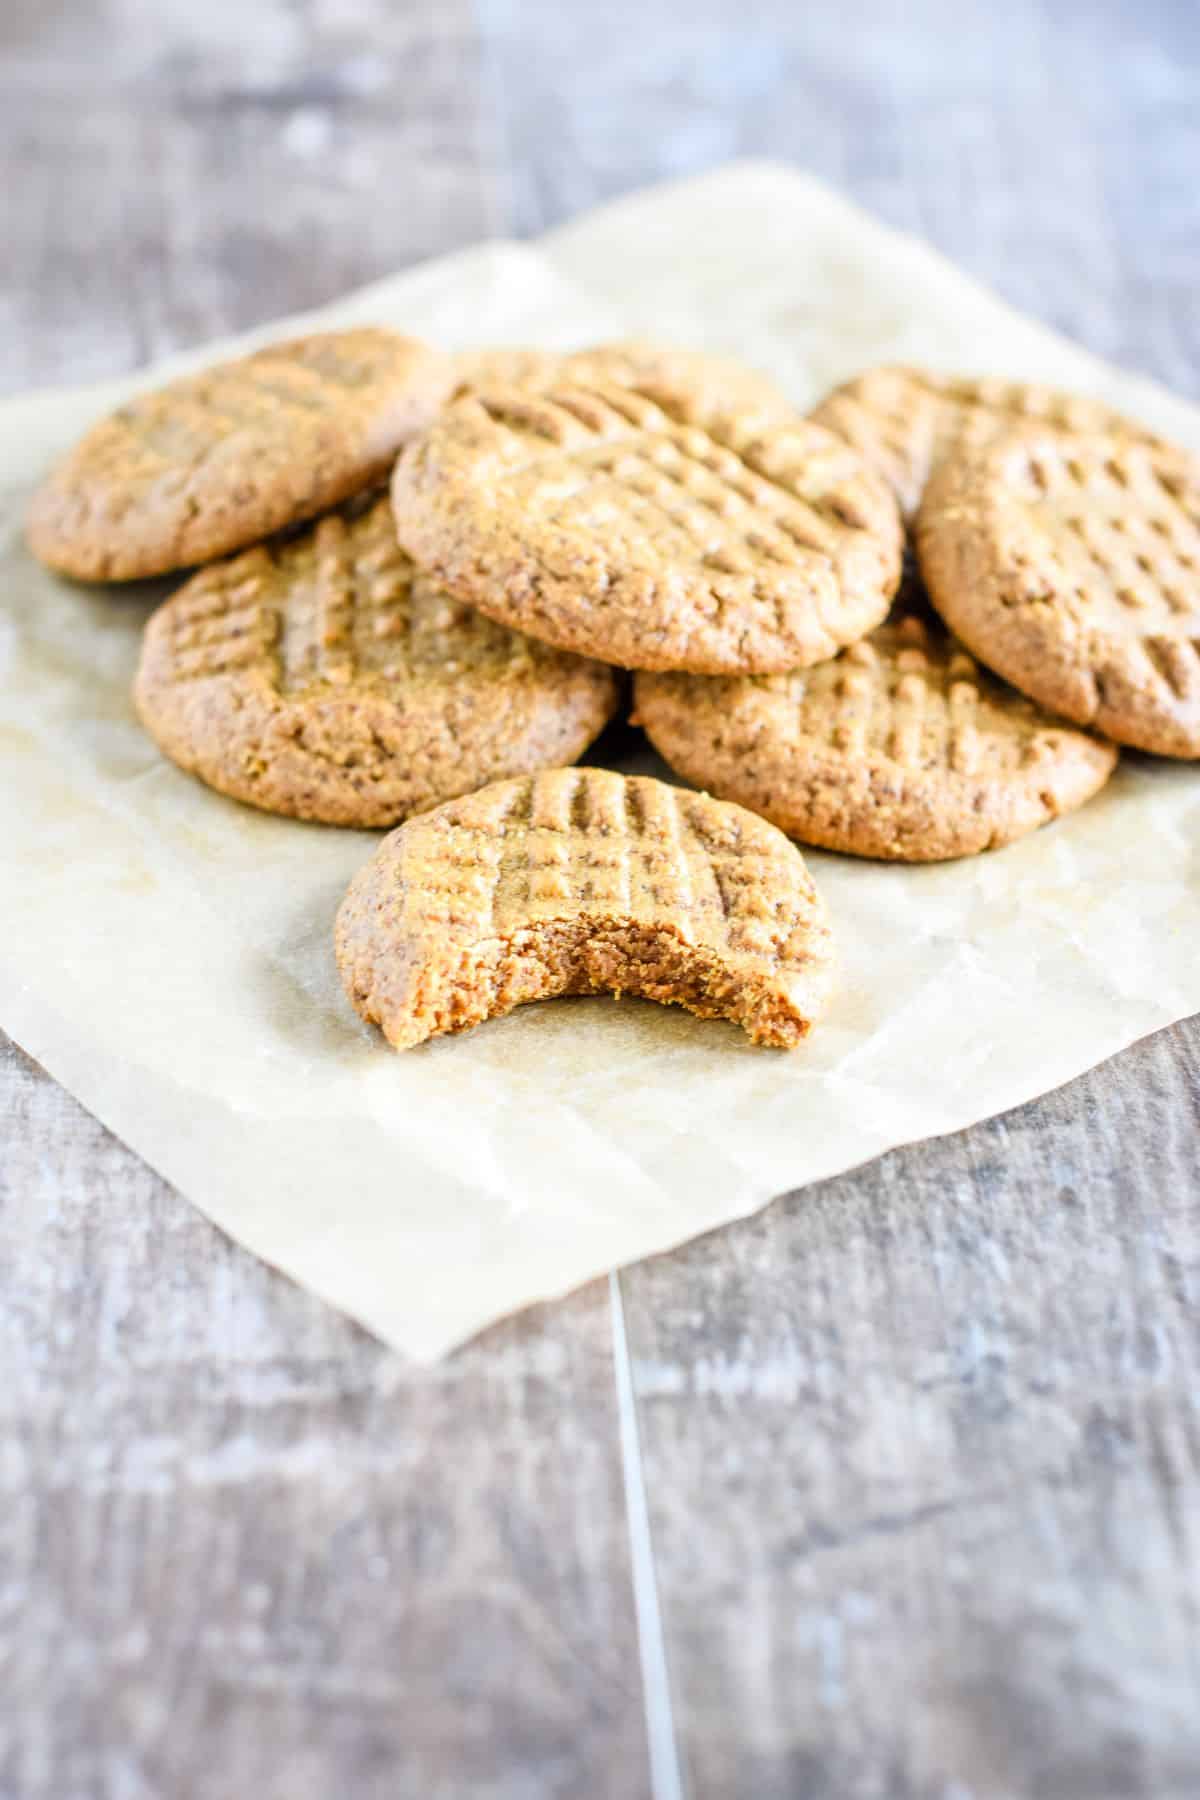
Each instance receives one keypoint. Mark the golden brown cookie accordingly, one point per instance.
(652, 522)
(696, 386)
(580, 881)
(216, 461)
(696, 381)
(903, 421)
(506, 366)
(326, 678)
(901, 747)
(1071, 566)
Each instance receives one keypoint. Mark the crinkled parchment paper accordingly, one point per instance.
(166, 953)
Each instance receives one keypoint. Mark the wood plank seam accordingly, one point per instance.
(665, 1777)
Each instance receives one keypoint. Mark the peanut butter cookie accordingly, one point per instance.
(695, 382)
(1071, 566)
(901, 747)
(326, 678)
(903, 421)
(506, 365)
(697, 387)
(216, 461)
(578, 881)
(653, 526)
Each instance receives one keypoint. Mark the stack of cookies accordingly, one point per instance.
(914, 625)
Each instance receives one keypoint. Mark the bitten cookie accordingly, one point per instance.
(579, 881)
(326, 678)
(653, 521)
(218, 460)
(904, 421)
(901, 747)
(1071, 566)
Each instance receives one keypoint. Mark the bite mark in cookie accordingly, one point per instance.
(580, 881)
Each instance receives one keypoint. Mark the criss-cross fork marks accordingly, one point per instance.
(340, 603)
(223, 621)
(739, 501)
(916, 711)
(1117, 533)
(1176, 663)
(1014, 401)
(361, 589)
(282, 394)
(290, 617)
(576, 843)
(907, 420)
(584, 881)
(919, 404)
(362, 611)
(278, 397)
(895, 422)
(711, 496)
(915, 698)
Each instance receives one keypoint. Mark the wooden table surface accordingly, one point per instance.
(890, 1492)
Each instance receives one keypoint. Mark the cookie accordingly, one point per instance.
(506, 366)
(1071, 566)
(697, 380)
(901, 747)
(324, 677)
(218, 460)
(580, 881)
(653, 522)
(696, 386)
(903, 421)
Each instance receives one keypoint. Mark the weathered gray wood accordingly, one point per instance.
(919, 1445)
(1049, 146)
(922, 1447)
(243, 1549)
(176, 172)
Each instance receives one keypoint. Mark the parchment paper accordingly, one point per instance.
(166, 953)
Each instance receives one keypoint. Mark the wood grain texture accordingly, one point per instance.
(180, 171)
(943, 1421)
(244, 1549)
(1049, 146)
(919, 1445)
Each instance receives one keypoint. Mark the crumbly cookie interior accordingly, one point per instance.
(588, 955)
